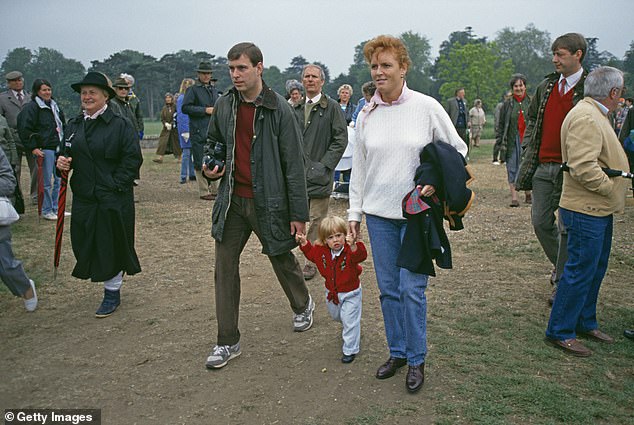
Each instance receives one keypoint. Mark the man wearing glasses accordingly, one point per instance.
(120, 104)
(588, 201)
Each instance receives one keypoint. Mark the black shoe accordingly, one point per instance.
(183, 181)
(628, 333)
(111, 300)
(192, 179)
(415, 378)
(348, 358)
(389, 368)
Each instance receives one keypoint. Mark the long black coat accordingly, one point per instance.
(106, 158)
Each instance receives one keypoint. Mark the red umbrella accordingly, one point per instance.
(40, 184)
(59, 229)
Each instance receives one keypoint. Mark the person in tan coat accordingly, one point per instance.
(588, 201)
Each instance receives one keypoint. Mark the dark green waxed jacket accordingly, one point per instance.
(277, 168)
(533, 134)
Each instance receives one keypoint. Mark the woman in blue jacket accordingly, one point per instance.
(182, 124)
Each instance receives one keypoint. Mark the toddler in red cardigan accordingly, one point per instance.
(337, 256)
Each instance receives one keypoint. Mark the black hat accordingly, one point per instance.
(205, 66)
(95, 79)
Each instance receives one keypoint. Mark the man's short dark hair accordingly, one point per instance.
(572, 42)
(248, 49)
(457, 90)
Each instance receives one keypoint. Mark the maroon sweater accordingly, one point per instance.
(557, 107)
(342, 272)
(244, 136)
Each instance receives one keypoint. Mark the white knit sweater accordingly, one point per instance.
(388, 143)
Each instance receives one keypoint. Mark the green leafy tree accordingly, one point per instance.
(358, 72)
(419, 49)
(530, 51)
(455, 40)
(51, 65)
(594, 58)
(294, 71)
(18, 59)
(274, 78)
(476, 67)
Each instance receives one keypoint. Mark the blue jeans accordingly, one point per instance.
(51, 183)
(187, 164)
(403, 300)
(589, 244)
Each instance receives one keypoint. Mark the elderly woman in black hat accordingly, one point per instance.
(102, 150)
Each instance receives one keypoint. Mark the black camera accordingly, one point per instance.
(217, 157)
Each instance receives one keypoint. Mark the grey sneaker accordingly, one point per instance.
(304, 320)
(221, 354)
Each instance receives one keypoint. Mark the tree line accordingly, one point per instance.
(483, 67)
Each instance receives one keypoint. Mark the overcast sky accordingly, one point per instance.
(325, 31)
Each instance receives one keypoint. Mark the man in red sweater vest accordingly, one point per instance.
(540, 169)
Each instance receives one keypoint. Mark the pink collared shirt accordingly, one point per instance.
(96, 114)
(406, 94)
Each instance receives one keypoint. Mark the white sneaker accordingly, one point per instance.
(31, 303)
(66, 214)
(496, 162)
(304, 320)
(50, 216)
(221, 354)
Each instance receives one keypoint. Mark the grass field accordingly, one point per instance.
(487, 362)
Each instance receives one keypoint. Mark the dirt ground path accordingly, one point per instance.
(145, 364)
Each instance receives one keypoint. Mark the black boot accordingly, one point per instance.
(111, 300)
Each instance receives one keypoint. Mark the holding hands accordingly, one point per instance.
(300, 238)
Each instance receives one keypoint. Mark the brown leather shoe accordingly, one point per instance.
(208, 197)
(309, 271)
(389, 368)
(415, 378)
(571, 346)
(597, 335)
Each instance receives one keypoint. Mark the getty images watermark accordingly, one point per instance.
(52, 416)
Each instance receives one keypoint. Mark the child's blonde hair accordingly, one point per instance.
(329, 226)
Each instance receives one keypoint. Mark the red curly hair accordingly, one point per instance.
(387, 43)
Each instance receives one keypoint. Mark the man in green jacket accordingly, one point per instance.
(325, 139)
(256, 146)
(540, 167)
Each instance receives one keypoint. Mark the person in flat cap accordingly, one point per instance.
(199, 103)
(103, 171)
(11, 103)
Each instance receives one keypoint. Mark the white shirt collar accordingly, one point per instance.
(314, 99)
(571, 80)
(601, 106)
(15, 93)
(336, 254)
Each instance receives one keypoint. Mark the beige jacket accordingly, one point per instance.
(589, 143)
